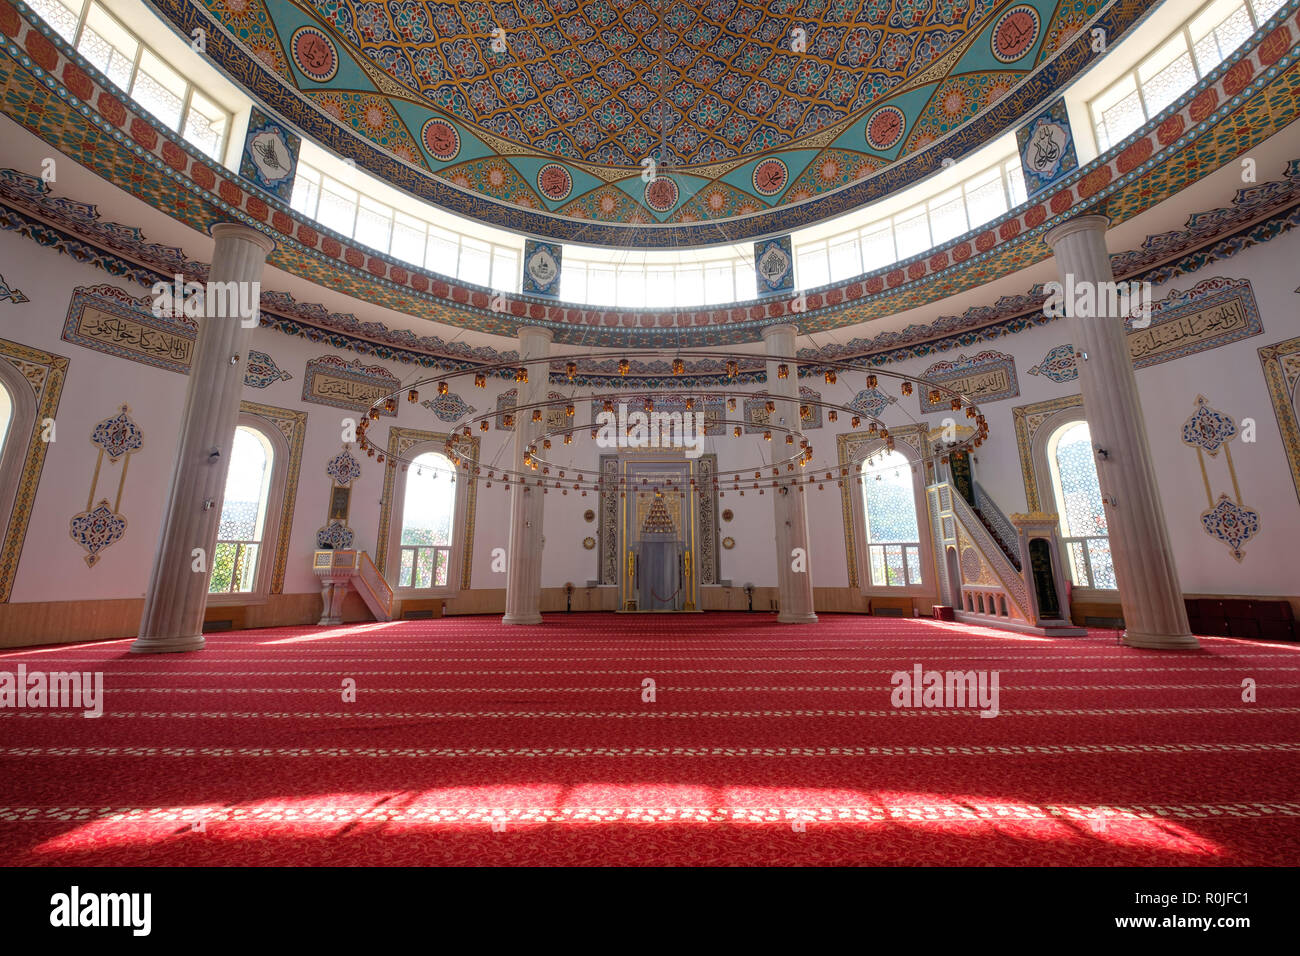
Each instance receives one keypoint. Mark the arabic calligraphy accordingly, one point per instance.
(989, 380)
(1228, 318)
(117, 334)
(345, 391)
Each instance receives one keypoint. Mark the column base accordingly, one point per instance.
(793, 618)
(1162, 642)
(533, 618)
(167, 645)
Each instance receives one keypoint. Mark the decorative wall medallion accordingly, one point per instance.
(117, 436)
(872, 401)
(1058, 365)
(1231, 523)
(774, 265)
(449, 407)
(101, 524)
(1208, 428)
(987, 377)
(542, 267)
(589, 516)
(770, 176)
(588, 543)
(1210, 431)
(727, 514)
(9, 294)
(885, 128)
(343, 469)
(97, 528)
(262, 370)
(331, 380)
(554, 182)
(1015, 32)
(334, 536)
(106, 319)
(270, 156)
(314, 54)
(1046, 146)
(728, 543)
(661, 193)
(441, 139)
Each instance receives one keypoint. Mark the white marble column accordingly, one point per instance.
(524, 559)
(177, 595)
(1154, 614)
(788, 503)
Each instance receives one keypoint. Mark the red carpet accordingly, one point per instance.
(472, 743)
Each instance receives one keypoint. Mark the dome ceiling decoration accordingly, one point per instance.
(545, 115)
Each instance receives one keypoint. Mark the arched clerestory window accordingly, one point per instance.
(1084, 533)
(893, 536)
(427, 521)
(241, 534)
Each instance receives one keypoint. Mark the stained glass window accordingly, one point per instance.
(889, 506)
(1078, 501)
(243, 513)
(428, 513)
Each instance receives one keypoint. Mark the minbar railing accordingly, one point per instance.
(339, 569)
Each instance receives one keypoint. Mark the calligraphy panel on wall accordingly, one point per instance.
(542, 268)
(270, 156)
(1046, 145)
(108, 320)
(987, 377)
(1213, 312)
(330, 380)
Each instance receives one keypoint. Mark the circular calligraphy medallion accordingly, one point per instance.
(441, 139)
(554, 182)
(770, 177)
(314, 54)
(661, 193)
(1015, 32)
(885, 127)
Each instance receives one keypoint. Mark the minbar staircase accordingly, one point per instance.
(339, 570)
(988, 579)
(997, 525)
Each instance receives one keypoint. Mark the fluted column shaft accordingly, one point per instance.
(524, 559)
(1145, 571)
(793, 560)
(177, 595)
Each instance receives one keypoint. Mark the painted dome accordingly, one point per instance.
(653, 122)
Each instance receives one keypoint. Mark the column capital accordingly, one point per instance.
(1078, 224)
(782, 328)
(235, 230)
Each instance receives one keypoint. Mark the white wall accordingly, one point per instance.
(52, 566)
